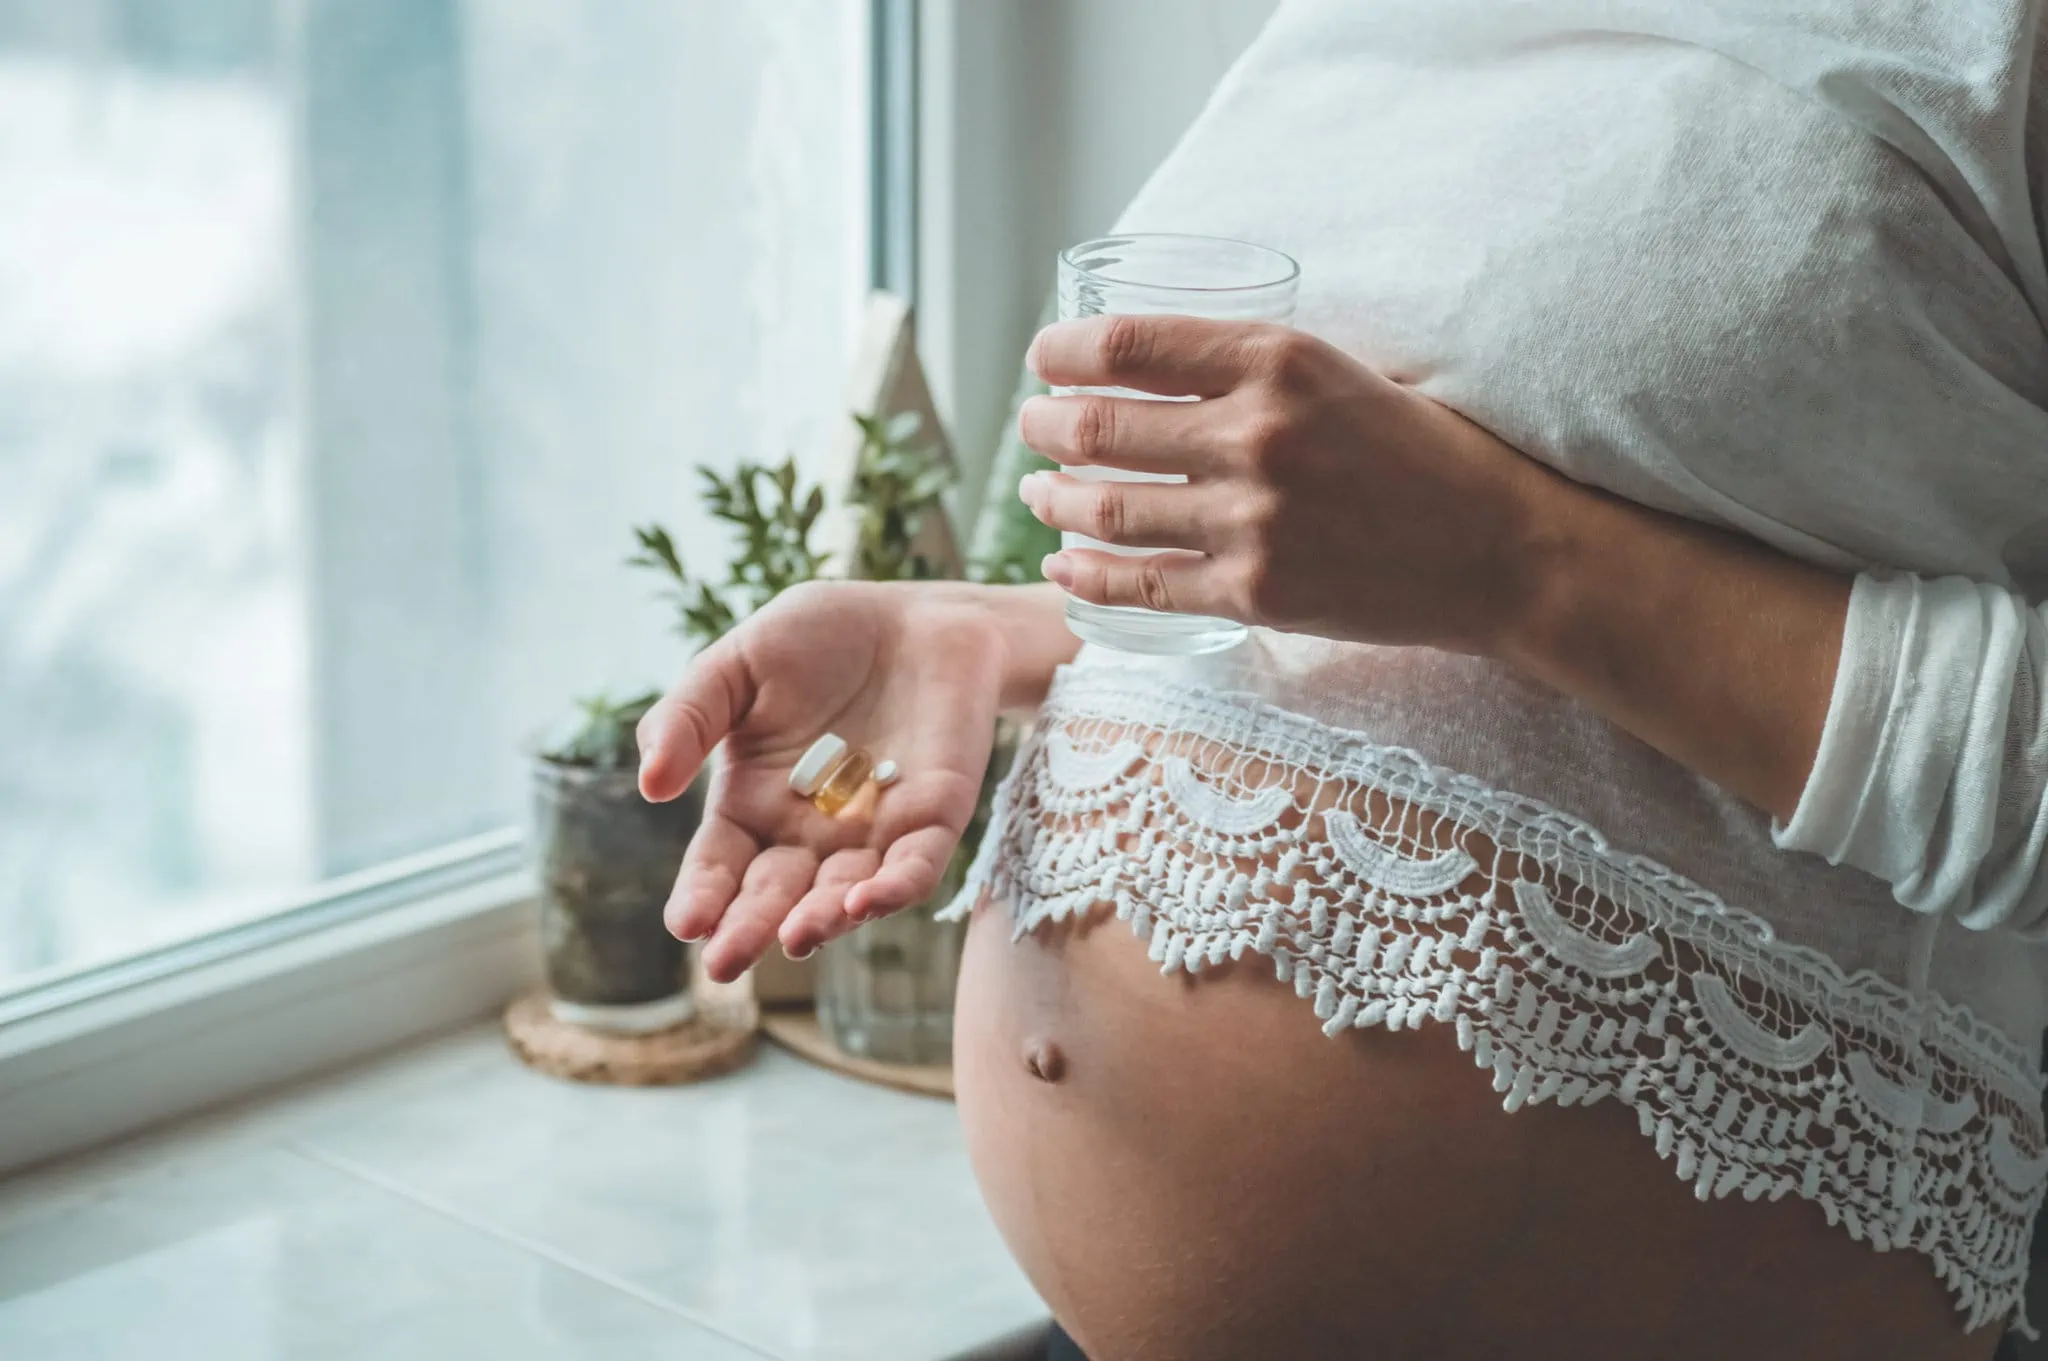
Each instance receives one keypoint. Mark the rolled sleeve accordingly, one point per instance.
(1934, 755)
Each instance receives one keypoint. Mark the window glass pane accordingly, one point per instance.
(342, 343)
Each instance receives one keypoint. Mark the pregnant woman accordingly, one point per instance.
(1597, 913)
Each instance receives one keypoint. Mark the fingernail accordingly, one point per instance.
(1029, 485)
(801, 952)
(1055, 569)
(1031, 355)
(646, 737)
(683, 910)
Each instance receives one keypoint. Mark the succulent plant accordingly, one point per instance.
(600, 733)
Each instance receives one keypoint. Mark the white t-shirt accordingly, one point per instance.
(1774, 266)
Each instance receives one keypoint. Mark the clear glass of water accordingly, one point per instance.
(1153, 274)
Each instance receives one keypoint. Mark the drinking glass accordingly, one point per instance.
(1148, 274)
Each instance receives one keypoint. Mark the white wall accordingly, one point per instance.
(1133, 73)
(1040, 119)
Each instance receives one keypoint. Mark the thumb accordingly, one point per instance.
(677, 735)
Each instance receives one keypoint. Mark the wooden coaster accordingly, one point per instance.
(799, 1032)
(718, 1039)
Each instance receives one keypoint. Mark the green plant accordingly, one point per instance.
(1008, 541)
(774, 520)
(898, 483)
(600, 733)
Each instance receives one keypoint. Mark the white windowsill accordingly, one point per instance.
(442, 1195)
(108, 1064)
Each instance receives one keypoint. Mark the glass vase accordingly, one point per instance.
(886, 991)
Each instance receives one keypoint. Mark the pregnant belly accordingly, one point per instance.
(1187, 1168)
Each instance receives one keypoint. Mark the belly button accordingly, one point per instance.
(1046, 1061)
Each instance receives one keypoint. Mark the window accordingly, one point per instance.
(341, 344)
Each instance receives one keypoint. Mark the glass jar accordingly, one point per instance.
(1146, 274)
(885, 992)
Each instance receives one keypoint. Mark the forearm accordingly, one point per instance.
(1717, 651)
(1032, 621)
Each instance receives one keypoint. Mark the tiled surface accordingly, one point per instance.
(448, 1203)
(264, 1255)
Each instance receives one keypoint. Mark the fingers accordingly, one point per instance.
(713, 867)
(1177, 583)
(909, 874)
(677, 735)
(1136, 514)
(1172, 356)
(820, 915)
(777, 878)
(1123, 432)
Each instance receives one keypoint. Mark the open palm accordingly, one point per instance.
(906, 673)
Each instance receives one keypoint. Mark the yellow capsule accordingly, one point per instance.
(843, 781)
(834, 773)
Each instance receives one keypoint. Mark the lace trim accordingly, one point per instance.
(1216, 824)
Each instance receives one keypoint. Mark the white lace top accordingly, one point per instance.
(1772, 265)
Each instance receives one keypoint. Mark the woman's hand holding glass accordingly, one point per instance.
(1321, 496)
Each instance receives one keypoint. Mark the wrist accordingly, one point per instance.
(1538, 579)
(1030, 627)
(1036, 640)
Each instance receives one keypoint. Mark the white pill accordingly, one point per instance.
(886, 773)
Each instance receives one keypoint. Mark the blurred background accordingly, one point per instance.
(343, 341)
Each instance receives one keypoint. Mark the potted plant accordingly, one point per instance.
(605, 859)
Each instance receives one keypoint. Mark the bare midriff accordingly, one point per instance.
(1188, 1169)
